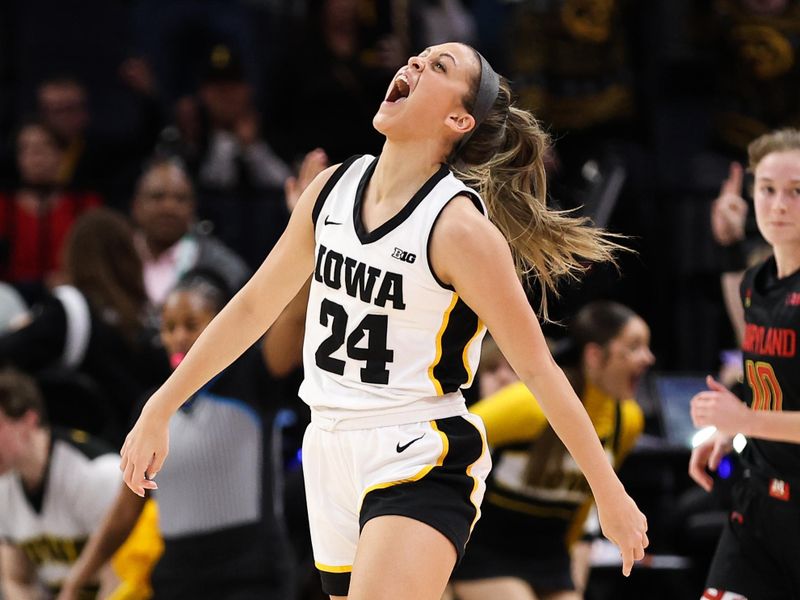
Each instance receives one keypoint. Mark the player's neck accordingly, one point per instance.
(787, 259)
(33, 467)
(403, 167)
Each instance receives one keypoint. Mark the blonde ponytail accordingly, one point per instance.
(504, 162)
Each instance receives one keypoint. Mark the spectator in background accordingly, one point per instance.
(169, 245)
(96, 324)
(55, 487)
(239, 179)
(36, 218)
(63, 107)
(93, 161)
(536, 498)
(220, 132)
(229, 544)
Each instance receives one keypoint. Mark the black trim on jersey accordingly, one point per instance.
(332, 181)
(87, 445)
(367, 237)
(477, 204)
(90, 446)
(36, 497)
(450, 371)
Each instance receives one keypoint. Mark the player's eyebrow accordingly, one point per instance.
(447, 54)
(769, 179)
(450, 56)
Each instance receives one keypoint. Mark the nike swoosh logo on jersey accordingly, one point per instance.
(404, 446)
(327, 222)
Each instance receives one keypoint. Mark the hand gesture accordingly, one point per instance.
(729, 210)
(144, 452)
(247, 128)
(719, 408)
(624, 524)
(708, 454)
(313, 164)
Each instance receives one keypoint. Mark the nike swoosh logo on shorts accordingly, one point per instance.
(404, 446)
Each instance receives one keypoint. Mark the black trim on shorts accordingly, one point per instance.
(441, 498)
(329, 185)
(335, 584)
(450, 371)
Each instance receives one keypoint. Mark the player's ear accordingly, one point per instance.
(461, 122)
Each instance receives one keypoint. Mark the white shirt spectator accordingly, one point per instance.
(81, 482)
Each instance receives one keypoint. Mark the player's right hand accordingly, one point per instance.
(708, 454)
(144, 451)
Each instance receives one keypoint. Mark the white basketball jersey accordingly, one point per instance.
(382, 333)
(79, 488)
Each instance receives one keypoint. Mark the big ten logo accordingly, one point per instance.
(403, 255)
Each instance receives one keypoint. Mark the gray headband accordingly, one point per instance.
(488, 89)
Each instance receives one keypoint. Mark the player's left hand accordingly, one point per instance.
(720, 408)
(624, 524)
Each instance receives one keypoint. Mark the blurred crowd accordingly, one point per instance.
(151, 154)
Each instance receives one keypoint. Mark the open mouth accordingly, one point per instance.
(400, 90)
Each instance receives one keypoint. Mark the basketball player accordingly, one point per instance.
(756, 556)
(407, 273)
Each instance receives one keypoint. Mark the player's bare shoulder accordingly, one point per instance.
(464, 235)
(462, 226)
